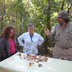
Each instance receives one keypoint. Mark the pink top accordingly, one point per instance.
(12, 46)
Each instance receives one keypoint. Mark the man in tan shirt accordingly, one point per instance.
(61, 34)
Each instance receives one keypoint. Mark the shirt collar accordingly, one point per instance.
(33, 34)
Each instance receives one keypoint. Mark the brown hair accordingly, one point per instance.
(6, 32)
(66, 19)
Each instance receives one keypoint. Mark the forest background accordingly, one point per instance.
(42, 13)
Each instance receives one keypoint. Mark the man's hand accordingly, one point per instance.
(47, 32)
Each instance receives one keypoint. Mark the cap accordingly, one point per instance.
(62, 14)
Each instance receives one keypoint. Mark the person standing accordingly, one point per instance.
(61, 34)
(31, 40)
(7, 43)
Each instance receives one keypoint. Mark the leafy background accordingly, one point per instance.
(18, 13)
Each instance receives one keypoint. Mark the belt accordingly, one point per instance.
(65, 48)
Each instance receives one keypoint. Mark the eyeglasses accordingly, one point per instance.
(31, 28)
(59, 17)
(11, 32)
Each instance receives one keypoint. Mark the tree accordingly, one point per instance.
(42, 13)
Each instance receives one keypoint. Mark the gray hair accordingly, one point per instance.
(30, 25)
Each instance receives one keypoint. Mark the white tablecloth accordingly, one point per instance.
(15, 64)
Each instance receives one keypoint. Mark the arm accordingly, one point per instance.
(2, 47)
(51, 34)
(20, 38)
(41, 39)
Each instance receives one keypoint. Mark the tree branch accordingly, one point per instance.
(69, 8)
(62, 5)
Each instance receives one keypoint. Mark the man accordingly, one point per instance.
(31, 40)
(61, 34)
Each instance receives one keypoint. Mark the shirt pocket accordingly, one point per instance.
(57, 37)
(69, 35)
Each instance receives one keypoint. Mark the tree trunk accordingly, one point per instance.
(62, 5)
(48, 26)
(20, 1)
(69, 8)
(2, 12)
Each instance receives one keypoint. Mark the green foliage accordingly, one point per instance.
(42, 13)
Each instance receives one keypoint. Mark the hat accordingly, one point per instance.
(62, 14)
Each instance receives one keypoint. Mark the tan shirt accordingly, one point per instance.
(62, 36)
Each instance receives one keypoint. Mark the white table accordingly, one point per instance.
(15, 64)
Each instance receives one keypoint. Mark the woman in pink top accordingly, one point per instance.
(7, 43)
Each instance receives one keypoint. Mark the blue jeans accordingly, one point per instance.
(36, 54)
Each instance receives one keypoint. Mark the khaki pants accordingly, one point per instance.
(60, 53)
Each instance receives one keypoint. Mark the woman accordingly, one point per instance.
(7, 43)
(31, 40)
